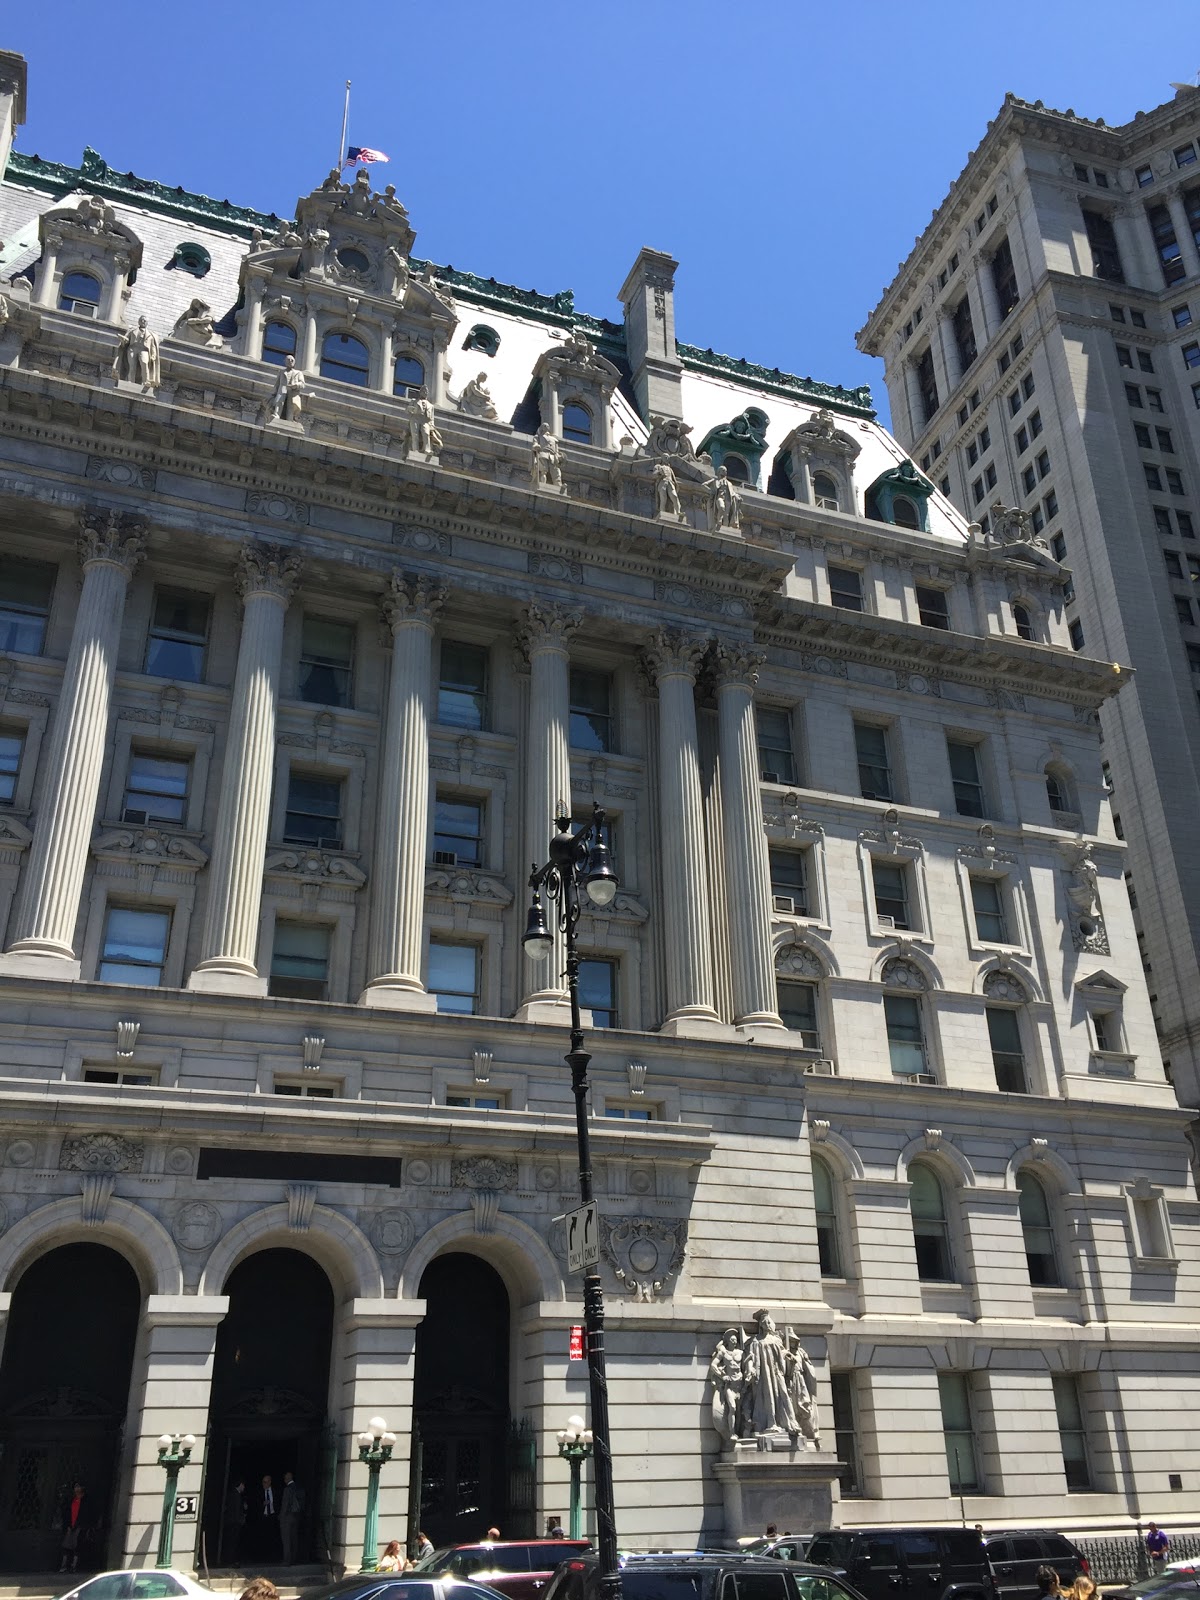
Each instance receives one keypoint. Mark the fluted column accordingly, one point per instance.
(544, 633)
(673, 661)
(402, 832)
(110, 547)
(267, 578)
(748, 876)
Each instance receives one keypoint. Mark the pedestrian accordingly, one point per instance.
(554, 1528)
(1048, 1581)
(772, 1531)
(235, 1522)
(391, 1560)
(1157, 1545)
(267, 1533)
(260, 1589)
(291, 1514)
(424, 1546)
(492, 1535)
(72, 1519)
(1082, 1589)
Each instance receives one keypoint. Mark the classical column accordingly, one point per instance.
(673, 661)
(748, 877)
(543, 633)
(402, 832)
(1183, 232)
(110, 547)
(267, 578)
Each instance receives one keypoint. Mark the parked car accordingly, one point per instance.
(138, 1583)
(947, 1563)
(783, 1546)
(401, 1586)
(518, 1568)
(1179, 1581)
(704, 1576)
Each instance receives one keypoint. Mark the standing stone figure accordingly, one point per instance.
(545, 460)
(767, 1405)
(136, 359)
(724, 503)
(802, 1387)
(666, 495)
(764, 1385)
(725, 1375)
(475, 401)
(423, 437)
(288, 399)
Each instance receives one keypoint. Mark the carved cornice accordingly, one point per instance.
(117, 537)
(314, 866)
(412, 599)
(268, 569)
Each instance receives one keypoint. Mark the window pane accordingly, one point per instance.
(845, 588)
(932, 607)
(11, 746)
(279, 342)
(577, 424)
(1034, 1211)
(178, 635)
(408, 375)
(1008, 1058)
(891, 894)
(458, 831)
(874, 772)
(314, 812)
(776, 761)
(798, 1008)
(988, 903)
(462, 687)
(300, 961)
(454, 977)
(789, 879)
(326, 662)
(591, 710)
(25, 590)
(135, 946)
(598, 991)
(954, 1393)
(156, 789)
(905, 1045)
(345, 358)
(846, 1442)
(964, 772)
(1071, 1431)
(79, 292)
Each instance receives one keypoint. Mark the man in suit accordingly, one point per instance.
(291, 1514)
(235, 1522)
(268, 1521)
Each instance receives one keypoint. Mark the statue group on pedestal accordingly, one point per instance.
(763, 1385)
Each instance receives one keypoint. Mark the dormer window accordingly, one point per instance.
(577, 423)
(192, 257)
(905, 513)
(279, 342)
(408, 376)
(737, 469)
(346, 359)
(825, 492)
(80, 293)
(1022, 621)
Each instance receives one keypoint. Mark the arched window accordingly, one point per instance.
(825, 1208)
(736, 468)
(931, 1231)
(1060, 792)
(482, 338)
(577, 423)
(345, 358)
(905, 512)
(1022, 621)
(408, 375)
(279, 342)
(80, 292)
(825, 492)
(192, 257)
(1037, 1231)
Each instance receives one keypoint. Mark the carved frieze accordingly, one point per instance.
(101, 1152)
(485, 1172)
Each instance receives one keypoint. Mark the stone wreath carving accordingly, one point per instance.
(101, 1152)
(485, 1172)
(644, 1251)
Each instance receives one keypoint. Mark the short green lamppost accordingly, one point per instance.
(575, 1446)
(174, 1453)
(375, 1446)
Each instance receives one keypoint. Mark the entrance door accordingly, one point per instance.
(64, 1389)
(460, 1400)
(267, 1413)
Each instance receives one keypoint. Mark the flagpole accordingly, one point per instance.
(341, 159)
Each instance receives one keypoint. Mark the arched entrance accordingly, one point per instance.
(267, 1414)
(475, 1466)
(64, 1391)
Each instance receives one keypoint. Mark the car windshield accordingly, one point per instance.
(108, 1586)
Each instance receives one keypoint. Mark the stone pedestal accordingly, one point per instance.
(795, 1488)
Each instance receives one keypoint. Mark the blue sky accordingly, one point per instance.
(785, 153)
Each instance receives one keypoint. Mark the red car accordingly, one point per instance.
(519, 1568)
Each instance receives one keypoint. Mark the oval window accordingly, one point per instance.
(353, 260)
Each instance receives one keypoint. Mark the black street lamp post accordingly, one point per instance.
(578, 859)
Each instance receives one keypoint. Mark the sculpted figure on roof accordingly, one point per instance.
(545, 460)
(136, 359)
(475, 401)
(724, 503)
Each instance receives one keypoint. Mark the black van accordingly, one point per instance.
(946, 1563)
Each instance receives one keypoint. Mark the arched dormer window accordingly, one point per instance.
(346, 359)
(931, 1227)
(1037, 1230)
(1022, 621)
(825, 1211)
(577, 423)
(482, 338)
(825, 492)
(279, 342)
(408, 375)
(737, 469)
(905, 513)
(80, 293)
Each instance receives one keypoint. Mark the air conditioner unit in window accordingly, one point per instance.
(885, 922)
(770, 777)
(821, 1069)
(132, 815)
(785, 903)
(445, 858)
(920, 1077)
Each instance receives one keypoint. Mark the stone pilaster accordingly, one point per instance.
(748, 878)
(672, 662)
(544, 633)
(267, 578)
(110, 547)
(402, 835)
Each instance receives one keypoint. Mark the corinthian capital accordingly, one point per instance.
(672, 652)
(736, 662)
(546, 627)
(412, 599)
(268, 569)
(118, 537)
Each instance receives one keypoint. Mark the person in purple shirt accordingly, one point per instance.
(1157, 1545)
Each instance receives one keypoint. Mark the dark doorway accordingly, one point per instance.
(267, 1414)
(64, 1390)
(460, 1403)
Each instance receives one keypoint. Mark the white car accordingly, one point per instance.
(140, 1583)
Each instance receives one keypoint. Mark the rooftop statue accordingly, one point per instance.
(136, 360)
(666, 495)
(288, 398)
(724, 503)
(545, 460)
(475, 401)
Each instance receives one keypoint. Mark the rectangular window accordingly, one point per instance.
(1133, 394)
(1072, 1433)
(1038, 518)
(1138, 318)
(178, 635)
(1144, 176)
(1075, 632)
(1165, 443)
(776, 758)
(845, 1433)
(845, 588)
(927, 385)
(1058, 547)
(300, 961)
(1117, 313)
(1027, 385)
(932, 607)
(1043, 465)
(1035, 424)
(156, 789)
(1015, 402)
(1100, 177)
(1081, 172)
(965, 775)
(798, 1008)
(1021, 440)
(874, 767)
(989, 475)
(973, 452)
(1154, 399)
(964, 334)
(1183, 610)
(478, 1102)
(1142, 434)
(1174, 565)
(1181, 316)
(890, 883)
(954, 1393)
(1153, 476)
(1185, 155)
(134, 949)
(977, 490)
(1162, 523)
(789, 881)
(462, 685)
(906, 1043)
(987, 901)
(1196, 395)
(1145, 361)
(457, 833)
(1008, 1057)
(1050, 505)
(1124, 356)
(302, 1089)
(1004, 277)
(1029, 480)
(598, 990)
(120, 1075)
(25, 591)
(1170, 256)
(11, 747)
(1184, 521)
(454, 977)
(1106, 258)
(326, 662)
(1174, 480)
(314, 811)
(591, 723)
(626, 1111)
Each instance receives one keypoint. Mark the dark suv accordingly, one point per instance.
(700, 1577)
(519, 1568)
(947, 1563)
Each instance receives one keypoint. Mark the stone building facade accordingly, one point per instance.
(1040, 347)
(295, 676)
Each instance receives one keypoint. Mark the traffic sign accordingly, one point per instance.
(583, 1238)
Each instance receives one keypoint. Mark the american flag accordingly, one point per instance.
(363, 153)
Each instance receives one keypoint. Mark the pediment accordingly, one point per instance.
(1102, 983)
